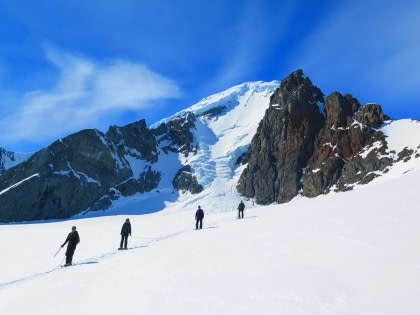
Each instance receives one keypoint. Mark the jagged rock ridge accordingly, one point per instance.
(298, 150)
(89, 169)
(284, 142)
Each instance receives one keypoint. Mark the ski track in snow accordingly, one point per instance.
(96, 259)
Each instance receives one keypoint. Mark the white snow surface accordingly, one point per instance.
(343, 253)
(230, 95)
(402, 133)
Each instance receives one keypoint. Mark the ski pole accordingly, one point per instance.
(58, 251)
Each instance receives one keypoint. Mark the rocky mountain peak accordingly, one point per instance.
(284, 141)
(297, 150)
(134, 139)
(297, 90)
(293, 80)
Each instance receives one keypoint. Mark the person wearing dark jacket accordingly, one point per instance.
(241, 208)
(199, 216)
(125, 231)
(72, 239)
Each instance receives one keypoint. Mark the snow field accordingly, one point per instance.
(343, 253)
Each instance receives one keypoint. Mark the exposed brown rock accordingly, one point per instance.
(284, 142)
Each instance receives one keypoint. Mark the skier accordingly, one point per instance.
(199, 216)
(73, 239)
(241, 208)
(125, 231)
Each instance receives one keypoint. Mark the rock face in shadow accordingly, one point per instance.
(185, 181)
(176, 135)
(88, 170)
(298, 150)
(76, 172)
(134, 139)
(284, 142)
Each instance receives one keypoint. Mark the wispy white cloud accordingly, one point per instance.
(86, 94)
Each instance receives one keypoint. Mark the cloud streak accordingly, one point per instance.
(86, 94)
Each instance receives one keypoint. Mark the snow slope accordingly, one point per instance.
(342, 253)
(221, 140)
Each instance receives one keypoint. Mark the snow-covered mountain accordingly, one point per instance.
(9, 159)
(267, 141)
(351, 250)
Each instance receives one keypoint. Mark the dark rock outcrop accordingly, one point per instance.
(177, 134)
(284, 142)
(336, 160)
(297, 150)
(371, 115)
(185, 181)
(135, 140)
(214, 112)
(77, 173)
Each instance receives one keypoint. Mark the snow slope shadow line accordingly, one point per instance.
(146, 244)
(85, 262)
(97, 259)
(88, 263)
(36, 275)
(152, 240)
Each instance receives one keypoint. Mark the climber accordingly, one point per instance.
(72, 239)
(199, 216)
(125, 231)
(241, 208)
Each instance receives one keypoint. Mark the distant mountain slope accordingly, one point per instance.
(9, 159)
(266, 141)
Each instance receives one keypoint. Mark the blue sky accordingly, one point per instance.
(69, 65)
